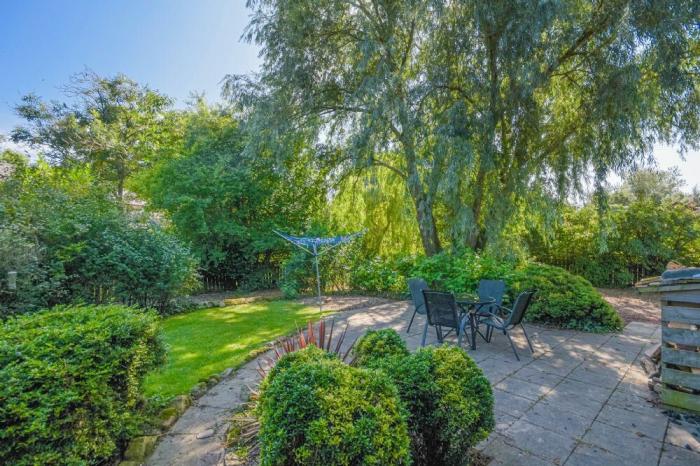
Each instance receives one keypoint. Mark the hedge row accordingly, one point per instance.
(70, 382)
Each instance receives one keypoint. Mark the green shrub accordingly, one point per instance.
(458, 271)
(133, 264)
(449, 400)
(461, 271)
(315, 410)
(379, 345)
(564, 300)
(296, 275)
(76, 245)
(70, 382)
(377, 276)
(18, 253)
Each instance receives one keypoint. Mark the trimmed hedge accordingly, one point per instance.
(316, 410)
(449, 400)
(379, 345)
(70, 382)
(564, 299)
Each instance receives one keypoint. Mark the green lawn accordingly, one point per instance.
(207, 341)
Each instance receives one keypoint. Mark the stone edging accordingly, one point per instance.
(140, 448)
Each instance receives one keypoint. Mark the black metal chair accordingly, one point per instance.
(506, 320)
(495, 289)
(444, 312)
(489, 290)
(416, 287)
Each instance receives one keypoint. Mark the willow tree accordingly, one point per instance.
(484, 102)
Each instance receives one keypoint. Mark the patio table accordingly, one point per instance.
(471, 307)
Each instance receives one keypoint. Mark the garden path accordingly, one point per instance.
(581, 399)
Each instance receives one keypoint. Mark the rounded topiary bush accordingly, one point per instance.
(564, 299)
(316, 410)
(378, 345)
(449, 400)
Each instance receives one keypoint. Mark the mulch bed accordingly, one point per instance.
(633, 306)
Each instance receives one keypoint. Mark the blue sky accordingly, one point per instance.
(175, 46)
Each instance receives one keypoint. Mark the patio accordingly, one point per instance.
(579, 400)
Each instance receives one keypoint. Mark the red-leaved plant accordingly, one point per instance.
(245, 425)
(301, 340)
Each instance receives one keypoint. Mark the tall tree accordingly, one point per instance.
(649, 184)
(114, 125)
(483, 101)
(226, 204)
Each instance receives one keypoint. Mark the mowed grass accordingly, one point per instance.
(207, 341)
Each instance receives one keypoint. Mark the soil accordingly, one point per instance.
(632, 305)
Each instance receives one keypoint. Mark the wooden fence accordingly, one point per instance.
(265, 279)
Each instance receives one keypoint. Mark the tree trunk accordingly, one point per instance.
(422, 201)
(120, 189)
(425, 218)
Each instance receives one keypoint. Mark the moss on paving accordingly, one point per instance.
(207, 341)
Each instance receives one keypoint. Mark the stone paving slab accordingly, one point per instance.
(627, 446)
(542, 442)
(652, 426)
(676, 456)
(590, 455)
(580, 399)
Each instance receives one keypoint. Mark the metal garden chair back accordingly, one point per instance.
(416, 287)
(522, 302)
(444, 312)
(511, 318)
(495, 289)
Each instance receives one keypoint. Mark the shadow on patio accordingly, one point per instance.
(580, 399)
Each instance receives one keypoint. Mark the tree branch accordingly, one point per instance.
(399, 172)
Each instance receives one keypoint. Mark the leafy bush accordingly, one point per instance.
(135, 265)
(70, 382)
(375, 275)
(461, 271)
(296, 275)
(449, 400)
(315, 410)
(648, 222)
(458, 271)
(564, 299)
(19, 254)
(379, 345)
(78, 245)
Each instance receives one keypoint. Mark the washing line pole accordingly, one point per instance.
(318, 280)
(311, 246)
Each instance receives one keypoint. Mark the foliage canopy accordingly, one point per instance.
(114, 125)
(474, 105)
(225, 203)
